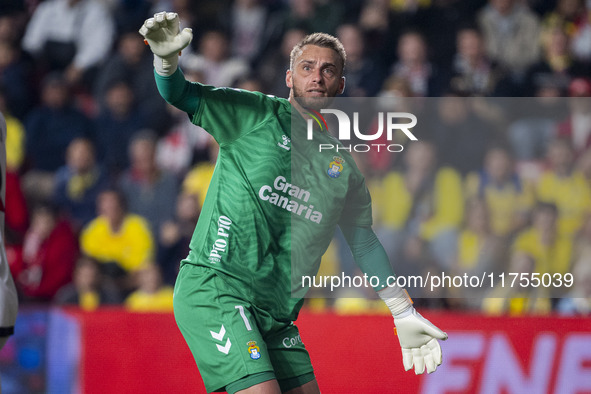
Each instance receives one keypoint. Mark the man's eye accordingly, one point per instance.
(329, 71)
(307, 68)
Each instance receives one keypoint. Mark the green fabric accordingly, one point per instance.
(368, 252)
(249, 381)
(290, 384)
(229, 337)
(177, 91)
(273, 203)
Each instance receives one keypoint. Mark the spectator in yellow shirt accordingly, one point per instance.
(577, 302)
(566, 187)
(15, 142)
(508, 198)
(550, 250)
(480, 252)
(87, 290)
(121, 241)
(517, 300)
(197, 180)
(151, 294)
(422, 204)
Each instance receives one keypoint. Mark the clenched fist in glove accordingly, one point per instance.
(166, 40)
(417, 336)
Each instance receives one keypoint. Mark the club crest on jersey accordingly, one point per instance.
(335, 167)
(254, 350)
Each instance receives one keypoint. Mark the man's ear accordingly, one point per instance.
(342, 85)
(288, 79)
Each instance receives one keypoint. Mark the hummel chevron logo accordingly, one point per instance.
(219, 336)
(226, 348)
(285, 143)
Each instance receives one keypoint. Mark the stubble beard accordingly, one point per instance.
(315, 103)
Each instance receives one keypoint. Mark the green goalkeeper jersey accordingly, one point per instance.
(274, 200)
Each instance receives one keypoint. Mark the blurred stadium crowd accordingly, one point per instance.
(105, 181)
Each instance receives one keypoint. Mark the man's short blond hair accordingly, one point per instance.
(322, 40)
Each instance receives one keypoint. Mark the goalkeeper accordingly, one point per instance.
(233, 298)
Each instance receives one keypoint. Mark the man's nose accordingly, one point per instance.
(317, 76)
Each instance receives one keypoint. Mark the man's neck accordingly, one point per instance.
(294, 103)
(304, 112)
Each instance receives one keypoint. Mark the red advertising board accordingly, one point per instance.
(124, 353)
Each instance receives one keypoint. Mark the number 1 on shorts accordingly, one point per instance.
(244, 318)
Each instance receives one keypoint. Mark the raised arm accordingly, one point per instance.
(225, 113)
(162, 33)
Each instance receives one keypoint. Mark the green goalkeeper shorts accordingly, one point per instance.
(234, 343)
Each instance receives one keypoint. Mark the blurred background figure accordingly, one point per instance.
(414, 66)
(577, 126)
(251, 83)
(421, 209)
(72, 36)
(577, 302)
(15, 137)
(381, 28)
(182, 145)
(16, 78)
(8, 292)
(518, 300)
(563, 185)
(16, 214)
(479, 252)
(248, 26)
(534, 123)
(50, 127)
(550, 251)
(78, 183)
(574, 15)
(557, 64)
(122, 242)
(151, 295)
(363, 73)
(479, 249)
(507, 196)
(175, 236)
(272, 69)
(197, 180)
(117, 122)
(472, 72)
(312, 15)
(511, 33)
(460, 133)
(87, 290)
(215, 61)
(49, 252)
(149, 192)
(132, 62)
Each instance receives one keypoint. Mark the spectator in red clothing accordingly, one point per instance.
(17, 215)
(48, 255)
(16, 219)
